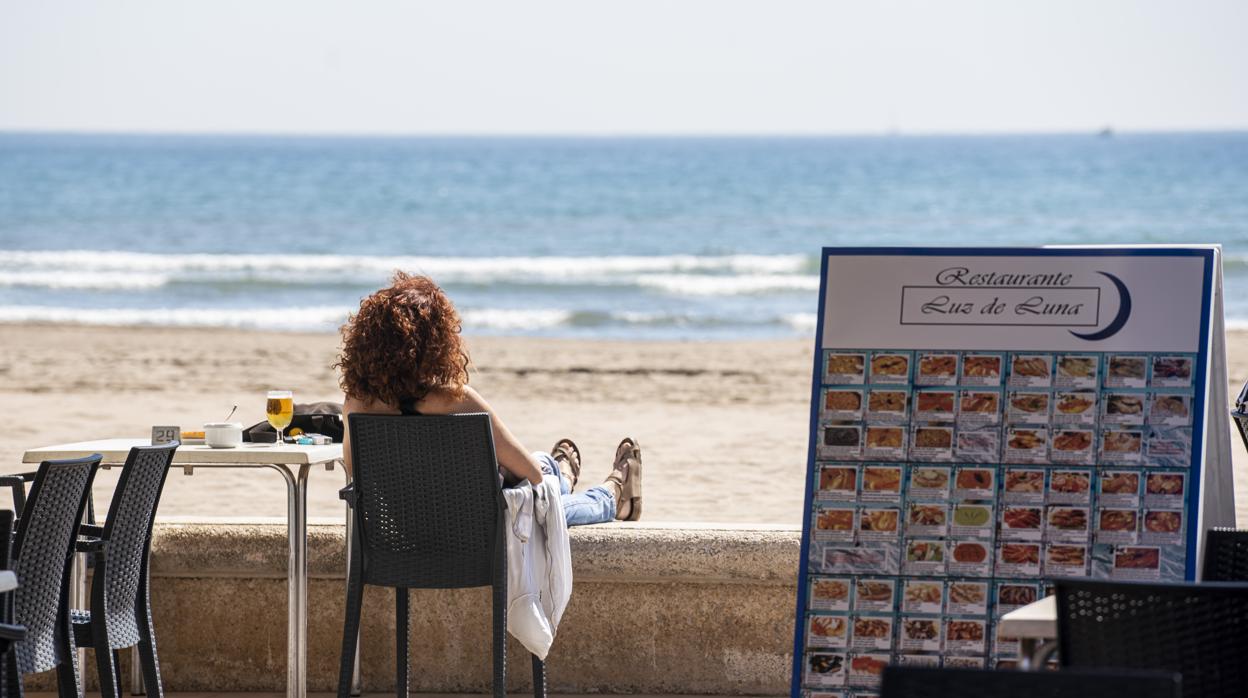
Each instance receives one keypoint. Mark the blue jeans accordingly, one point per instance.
(594, 505)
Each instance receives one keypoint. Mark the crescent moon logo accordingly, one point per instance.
(1120, 320)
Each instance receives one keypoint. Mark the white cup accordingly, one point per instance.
(223, 434)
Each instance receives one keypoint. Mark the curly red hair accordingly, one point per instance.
(403, 343)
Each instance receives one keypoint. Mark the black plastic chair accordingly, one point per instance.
(1226, 556)
(429, 514)
(930, 682)
(1198, 630)
(10, 634)
(44, 549)
(121, 607)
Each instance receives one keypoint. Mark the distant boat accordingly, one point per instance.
(1106, 132)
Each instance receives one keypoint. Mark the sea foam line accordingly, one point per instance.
(329, 318)
(143, 262)
(687, 275)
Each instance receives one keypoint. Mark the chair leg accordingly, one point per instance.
(67, 675)
(105, 658)
(121, 687)
(148, 659)
(500, 639)
(401, 651)
(539, 677)
(351, 627)
(13, 677)
(106, 668)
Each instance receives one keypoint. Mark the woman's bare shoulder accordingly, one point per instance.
(350, 405)
(448, 402)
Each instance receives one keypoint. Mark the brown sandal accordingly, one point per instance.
(628, 508)
(565, 451)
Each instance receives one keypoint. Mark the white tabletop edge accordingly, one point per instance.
(1035, 620)
(116, 450)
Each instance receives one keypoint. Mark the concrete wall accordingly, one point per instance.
(655, 609)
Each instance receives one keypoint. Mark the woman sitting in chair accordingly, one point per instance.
(402, 354)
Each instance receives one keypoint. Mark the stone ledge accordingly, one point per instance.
(655, 609)
(619, 552)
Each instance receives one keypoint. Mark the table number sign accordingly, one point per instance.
(987, 420)
(164, 435)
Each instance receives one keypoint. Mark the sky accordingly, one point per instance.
(622, 66)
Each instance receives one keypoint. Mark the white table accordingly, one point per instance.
(294, 463)
(1035, 626)
(8, 580)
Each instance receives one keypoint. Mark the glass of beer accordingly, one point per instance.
(279, 410)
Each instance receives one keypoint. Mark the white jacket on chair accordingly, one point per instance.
(539, 564)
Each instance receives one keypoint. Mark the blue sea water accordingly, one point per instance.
(698, 238)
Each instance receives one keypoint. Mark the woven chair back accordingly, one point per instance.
(43, 547)
(6, 562)
(1226, 555)
(128, 531)
(1197, 630)
(428, 501)
(929, 682)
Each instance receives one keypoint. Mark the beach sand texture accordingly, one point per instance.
(723, 425)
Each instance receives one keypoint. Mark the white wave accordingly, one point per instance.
(499, 319)
(802, 322)
(468, 268)
(318, 318)
(330, 318)
(312, 319)
(102, 280)
(694, 285)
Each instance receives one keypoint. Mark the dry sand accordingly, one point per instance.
(723, 425)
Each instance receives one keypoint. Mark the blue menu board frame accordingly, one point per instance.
(889, 582)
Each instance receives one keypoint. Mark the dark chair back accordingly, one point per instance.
(9, 633)
(429, 509)
(43, 550)
(1226, 556)
(1197, 630)
(930, 682)
(128, 532)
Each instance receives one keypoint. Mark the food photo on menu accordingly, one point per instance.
(965, 475)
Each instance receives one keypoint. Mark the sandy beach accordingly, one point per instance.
(723, 425)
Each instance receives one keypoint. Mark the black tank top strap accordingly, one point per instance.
(408, 406)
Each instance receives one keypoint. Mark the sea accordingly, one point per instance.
(621, 238)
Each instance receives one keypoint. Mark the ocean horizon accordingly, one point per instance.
(657, 237)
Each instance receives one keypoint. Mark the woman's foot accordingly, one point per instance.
(568, 456)
(626, 474)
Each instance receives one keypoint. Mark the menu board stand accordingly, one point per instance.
(1218, 497)
(985, 420)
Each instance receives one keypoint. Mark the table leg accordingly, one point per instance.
(1026, 649)
(78, 599)
(136, 673)
(296, 581)
(357, 683)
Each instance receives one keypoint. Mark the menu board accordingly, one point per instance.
(986, 421)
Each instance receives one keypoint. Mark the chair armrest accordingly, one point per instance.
(12, 633)
(348, 495)
(90, 544)
(17, 482)
(91, 530)
(16, 479)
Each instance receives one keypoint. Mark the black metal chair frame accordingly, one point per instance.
(419, 450)
(120, 550)
(1226, 556)
(42, 602)
(931, 682)
(1199, 630)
